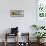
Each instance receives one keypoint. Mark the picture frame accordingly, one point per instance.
(41, 8)
(17, 13)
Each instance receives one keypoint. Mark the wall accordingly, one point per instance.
(24, 23)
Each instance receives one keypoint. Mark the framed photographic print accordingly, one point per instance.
(17, 13)
(41, 8)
